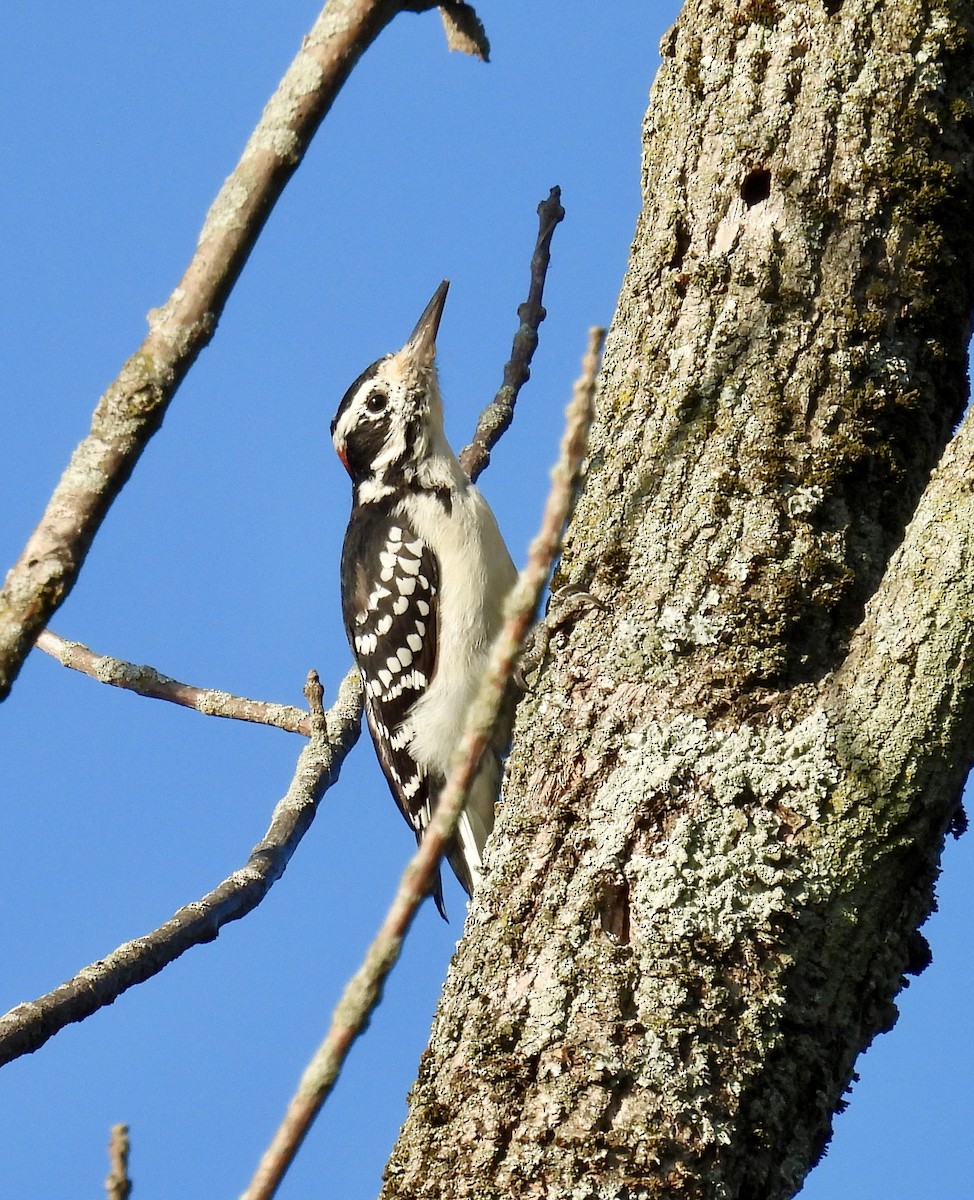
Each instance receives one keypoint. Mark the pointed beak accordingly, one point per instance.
(420, 350)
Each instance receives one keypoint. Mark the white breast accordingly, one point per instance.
(476, 573)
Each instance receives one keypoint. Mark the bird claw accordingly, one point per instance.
(567, 604)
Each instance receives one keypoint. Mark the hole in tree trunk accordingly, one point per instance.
(614, 909)
(681, 238)
(756, 186)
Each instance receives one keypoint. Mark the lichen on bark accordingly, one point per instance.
(731, 781)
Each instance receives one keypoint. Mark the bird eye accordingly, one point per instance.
(376, 402)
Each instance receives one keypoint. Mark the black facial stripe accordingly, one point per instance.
(370, 372)
(368, 435)
(364, 444)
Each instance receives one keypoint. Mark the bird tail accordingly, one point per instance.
(436, 891)
(465, 854)
(475, 824)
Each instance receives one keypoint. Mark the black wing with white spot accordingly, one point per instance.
(390, 618)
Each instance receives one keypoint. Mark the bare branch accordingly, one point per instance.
(132, 408)
(29, 1025)
(363, 991)
(146, 681)
(496, 418)
(118, 1185)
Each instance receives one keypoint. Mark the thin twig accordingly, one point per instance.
(497, 416)
(29, 1026)
(118, 1185)
(132, 408)
(146, 681)
(363, 991)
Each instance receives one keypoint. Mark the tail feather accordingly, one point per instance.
(465, 854)
(475, 825)
(436, 891)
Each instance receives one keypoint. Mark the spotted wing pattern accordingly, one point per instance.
(390, 618)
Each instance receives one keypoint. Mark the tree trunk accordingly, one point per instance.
(730, 785)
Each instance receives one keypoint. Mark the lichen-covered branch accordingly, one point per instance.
(132, 408)
(904, 695)
(498, 415)
(364, 990)
(29, 1025)
(147, 681)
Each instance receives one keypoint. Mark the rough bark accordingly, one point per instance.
(730, 785)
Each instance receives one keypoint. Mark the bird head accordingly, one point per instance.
(389, 417)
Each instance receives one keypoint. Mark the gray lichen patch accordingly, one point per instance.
(224, 212)
(276, 130)
(719, 810)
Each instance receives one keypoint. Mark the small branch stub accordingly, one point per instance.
(314, 693)
(465, 31)
(118, 1185)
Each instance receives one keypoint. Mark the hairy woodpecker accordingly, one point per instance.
(424, 576)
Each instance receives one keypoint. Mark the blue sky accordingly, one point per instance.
(218, 565)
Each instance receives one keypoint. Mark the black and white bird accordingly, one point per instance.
(424, 576)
